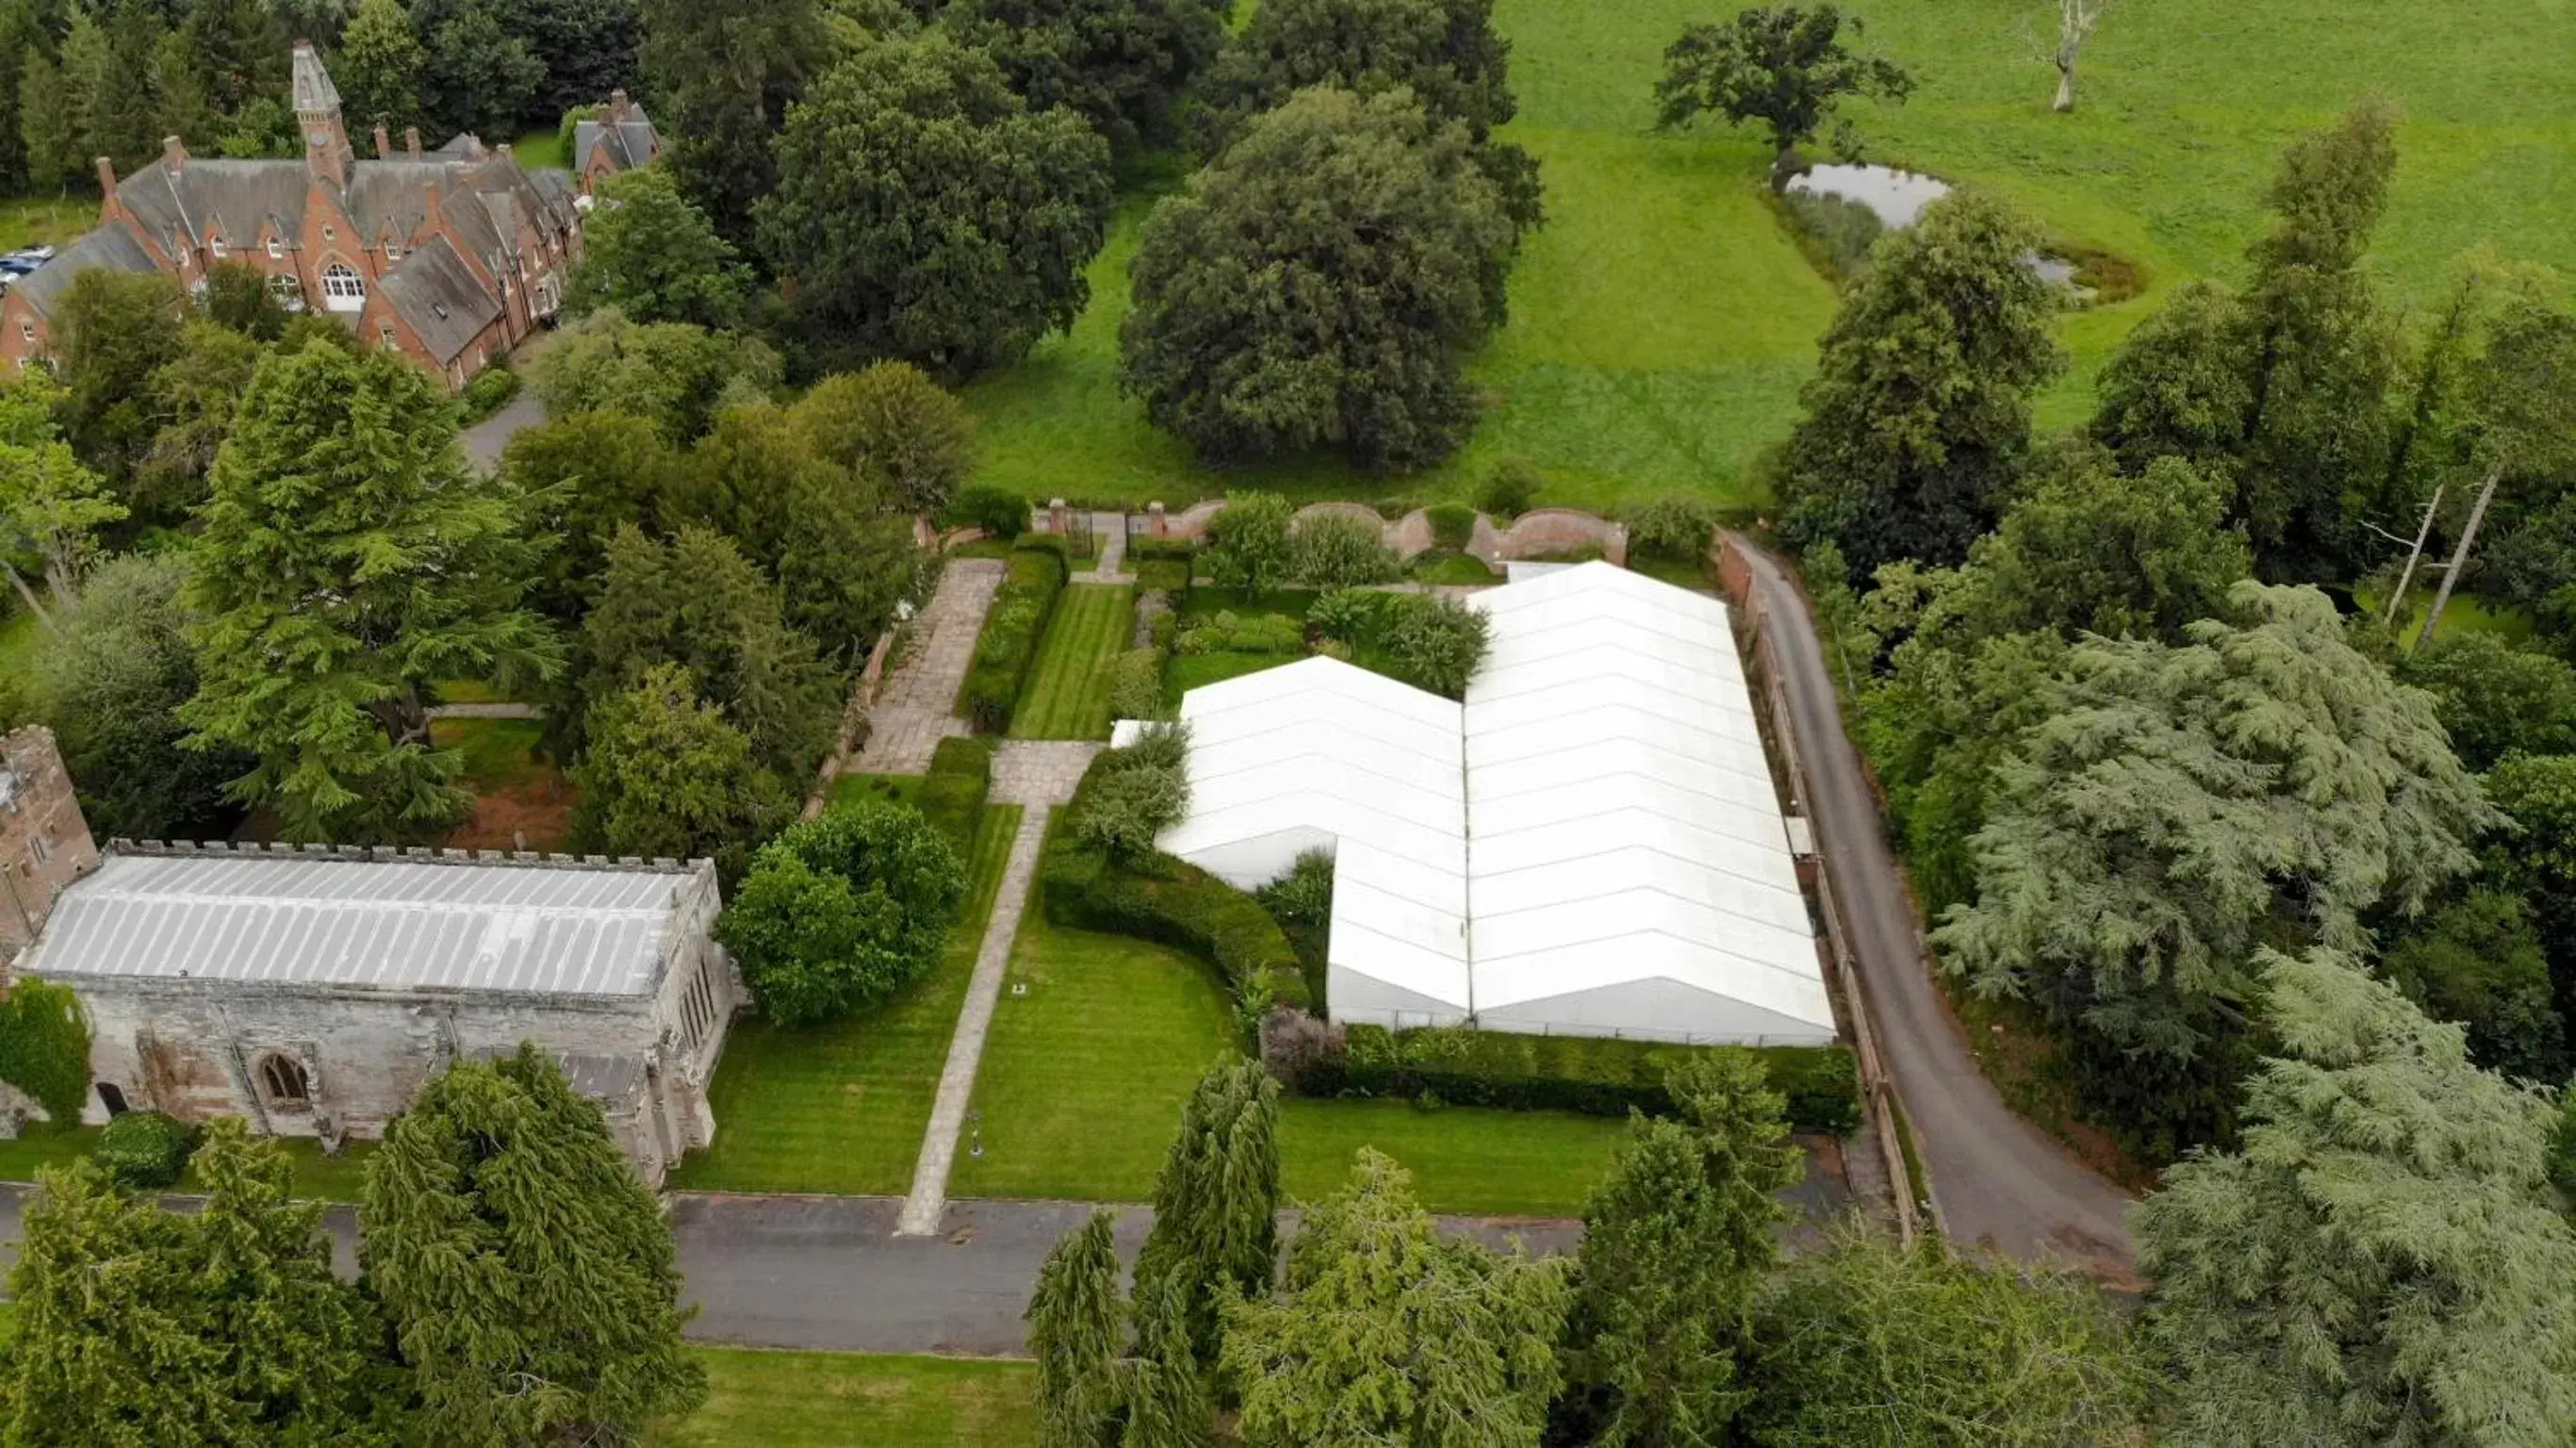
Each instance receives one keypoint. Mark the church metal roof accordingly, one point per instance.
(408, 924)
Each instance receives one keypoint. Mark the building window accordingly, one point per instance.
(342, 288)
(392, 252)
(275, 251)
(220, 250)
(112, 1096)
(27, 333)
(329, 235)
(387, 333)
(282, 1081)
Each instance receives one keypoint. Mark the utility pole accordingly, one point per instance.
(2460, 555)
(2398, 598)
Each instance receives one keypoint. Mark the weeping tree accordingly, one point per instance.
(1075, 1329)
(2381, 1263)
(1215, 1231)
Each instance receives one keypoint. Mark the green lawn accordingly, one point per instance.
(2465, 613)
(796, 1399)
(1184, 672)
(541, 148)
(1453, 568)
(46, 220)
(324, 1178)
(21, 639)
(499, 753)
(1661, 323)
(1084, 1075)
(1068, 691)
(841, 1107)
(897, 788)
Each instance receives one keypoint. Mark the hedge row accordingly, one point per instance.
(1597, 1076)
(952, 793)
(1013, 629)
(1169, 901)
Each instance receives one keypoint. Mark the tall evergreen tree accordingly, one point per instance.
(1166, 1388)
(1675, 1243)
(137, 1324)
(1215, 1232)
(48, 132)
(529, 1278)
(349, 560)
(182, 104)
(111, 683)
(1919, 407)
(725, 72)
(242, 52)
(1075, 1328)
(477, 72)
(666, 775)
(20, 28)
(380, 67)
(102, 70)
(1387, 1333)
(585, 475)
(2381, 1262)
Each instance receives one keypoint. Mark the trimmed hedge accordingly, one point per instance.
(1013, 629)
(952, 793)
(1162, 550)
(1452, 525)
(1169, 901)
(1594, 1075)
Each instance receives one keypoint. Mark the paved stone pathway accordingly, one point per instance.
(1038, 775)
(486, 711)
(916, 708)
(1110, 566)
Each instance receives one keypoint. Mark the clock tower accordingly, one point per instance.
(317, 114)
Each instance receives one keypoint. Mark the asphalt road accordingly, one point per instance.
(1995, 1178)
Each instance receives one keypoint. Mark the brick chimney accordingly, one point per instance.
(503, 150)
(617, 105)
(411, 142)
(384, 143)
(106, 176)
(174, 155)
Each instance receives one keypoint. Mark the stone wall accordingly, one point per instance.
(44, 840)
(1543, 531)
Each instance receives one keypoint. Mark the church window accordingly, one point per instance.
(343, 290)
(282, 1080)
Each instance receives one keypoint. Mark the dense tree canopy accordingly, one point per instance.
(380, 68)
(1445, 51)
(723, 74)
(111, 330)
(1784, 67)
(890, 422)
(139, 1324)
(2496, 698)
(667, 776)
(112, 681)
(1121, 64)
(1918, 410)
(679, 375)
(1386, 1332)
(528, 1277)
(924, 211)
(584, 475)
(649, 253)
(1268, 322)
(2086, 549)
(2380, 1263)
(51, 507)
(2478, 961)
(349, 561)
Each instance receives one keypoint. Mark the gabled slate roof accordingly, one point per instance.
(110, 247)
(440, 298)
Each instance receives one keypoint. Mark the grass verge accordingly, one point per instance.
(795, 1399)
(841, 1107)
(1068, 691)
(317, 1176)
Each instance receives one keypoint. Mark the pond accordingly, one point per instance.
(1897, 197)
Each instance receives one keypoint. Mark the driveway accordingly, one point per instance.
(485, 440)
(1996, 1179)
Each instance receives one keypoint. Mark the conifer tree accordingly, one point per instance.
(529, 1278)
(350, 559)
(1386, 1333)
(1166, 1390)
(1675, 1244)
(137, 1324)
(1215, 1230)
(1075, 1324)
(2381, 1263)
(48, 135)
(666, 775)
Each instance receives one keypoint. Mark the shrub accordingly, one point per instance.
(1156, 897)
(1594, 1075)
(1248, 546)
(1303, 893)
(1136, 684)
(952, 793)
(1435, 643)
(146, 1150)
(489, 392)
(1132, 808)
(44, 1046)
(843, 910)
(999, 514)
(1452, 525)
(1334, 550)
(1347, 615)
(1008, 646)
(1674, 527)
(1162, 550)
(1510, 489)
(1227, 633)
(1294, 1043)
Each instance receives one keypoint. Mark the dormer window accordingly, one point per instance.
(276, 251)
(392, 252)
(216, 245)
(329, 235)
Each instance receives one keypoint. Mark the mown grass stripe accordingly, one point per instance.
(1068, 692)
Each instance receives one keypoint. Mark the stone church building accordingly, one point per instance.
(311, 991)
(448, 257)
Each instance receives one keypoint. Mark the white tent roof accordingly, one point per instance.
(1592, 844)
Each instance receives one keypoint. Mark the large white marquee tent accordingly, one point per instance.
(1590, 845)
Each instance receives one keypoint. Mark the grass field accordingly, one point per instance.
(323, 1178)
(841, 1107)
(1068, 691)
(897, 788)
(1661, 323)
(21, 638)
(834, 1400)
(1084, 1075)
(46, 220)
(541, 148)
